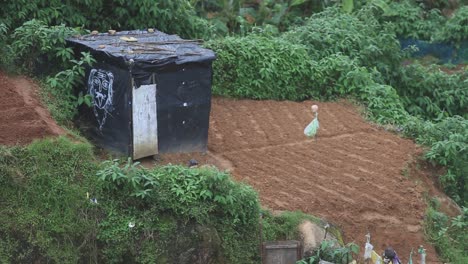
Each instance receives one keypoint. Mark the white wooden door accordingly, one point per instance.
(145, 122)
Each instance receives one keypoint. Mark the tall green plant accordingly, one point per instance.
(34, 43)
(59, 90)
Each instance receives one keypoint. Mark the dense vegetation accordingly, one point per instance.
(59, 205)
(283, 49)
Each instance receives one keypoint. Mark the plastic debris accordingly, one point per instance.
(376, 259)
(131, 224)
(129, 39)
(368, 248)
(312, 128)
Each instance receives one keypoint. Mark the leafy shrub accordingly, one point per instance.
(448, 142)
(448, 234)
(172, 16)
(329, 251)
(364, 40)
(339, 76)
(285, 225)
(202, 196)
(431, 93)
(456, 27)
(409, 20)
(240, 16)
(34, 43)
(59, 91)
(384, 104)
(261, 67)
(55, 209)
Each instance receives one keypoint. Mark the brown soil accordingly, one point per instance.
(355, 175)
(22, 117)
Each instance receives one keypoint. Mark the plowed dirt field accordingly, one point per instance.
(22, 117)
(355, 175)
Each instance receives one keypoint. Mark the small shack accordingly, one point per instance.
(151, 92)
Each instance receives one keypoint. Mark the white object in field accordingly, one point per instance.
(368, 250)
(314, 108)
(145, 122)
(312, 128)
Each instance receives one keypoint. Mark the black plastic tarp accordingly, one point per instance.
(184, 103)
(150, 51)
(110, 116)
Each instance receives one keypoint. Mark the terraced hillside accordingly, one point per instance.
(354, 174)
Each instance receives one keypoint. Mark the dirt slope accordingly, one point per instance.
(22, 117)
(355, 175)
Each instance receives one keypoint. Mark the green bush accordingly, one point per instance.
(339, 76)
(285, 225)
(431, 93)
(409, 20)
(383, 104)
(448, 234)
(456, 27)
(151, 198)
(261, 67)
(171, 16)
(57, 205)
(362, 39)
(35, 44)
(448, 142)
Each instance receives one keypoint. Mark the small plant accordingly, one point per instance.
(34, 42)
(329, 251)
(59, 91)
(448, 234)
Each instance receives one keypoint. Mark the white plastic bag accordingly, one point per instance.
(368, 250)
(312, 128)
